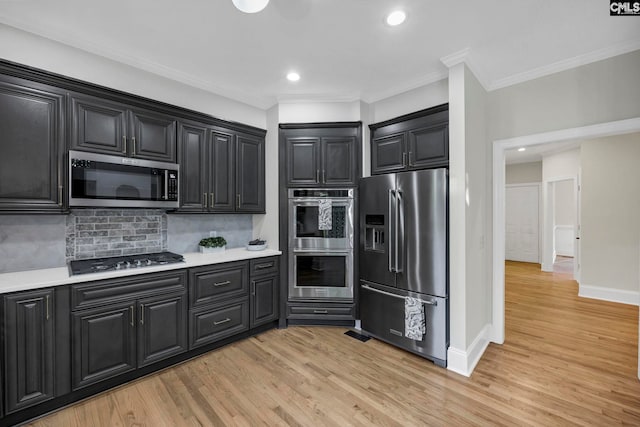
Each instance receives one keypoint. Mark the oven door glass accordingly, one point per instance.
(321, 276)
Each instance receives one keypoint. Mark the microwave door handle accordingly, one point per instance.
(166, 185)
(391, 225)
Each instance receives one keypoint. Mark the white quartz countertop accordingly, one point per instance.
(34, 279)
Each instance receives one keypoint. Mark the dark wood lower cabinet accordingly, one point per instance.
(104, 343)
(162, 328)
(264, 300)
(28, 349)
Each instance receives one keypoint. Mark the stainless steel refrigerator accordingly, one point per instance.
(404, 252)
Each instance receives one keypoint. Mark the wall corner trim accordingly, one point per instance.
(609, 294)
(463, 362)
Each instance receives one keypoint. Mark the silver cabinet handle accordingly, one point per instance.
(124, 144)
(225, 283)
(133, 149)
(142, 314)
(320, 311)
(404, 159)
(396, 296)
(204, 201)
(238, 201)
(317, 175)
(221, 322)
(410, 158)
(60, 188)
(263, 266)
(324, 177)
(47, 306)
(132, 315)
(211, 199)
(253, 287)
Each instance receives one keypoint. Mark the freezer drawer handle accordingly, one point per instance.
(397, 296)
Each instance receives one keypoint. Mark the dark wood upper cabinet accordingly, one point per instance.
(415, 141)
(28, 349)
(103, 126)
(321, 154)
(338, 160)
(32, 138)
(153, 136)
(249, 174)
(221, 170)
(192, 157)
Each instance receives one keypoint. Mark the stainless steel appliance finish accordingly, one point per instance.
(99, 265)
(403, 252)
(304, 233)
(97, 180)
(321, 261)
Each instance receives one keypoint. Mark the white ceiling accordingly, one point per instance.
(342, 48)
(535, 153)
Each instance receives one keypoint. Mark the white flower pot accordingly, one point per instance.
(211, 250)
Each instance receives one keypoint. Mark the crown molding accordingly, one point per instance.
(456, 57)
(152, 67)
(566, 64)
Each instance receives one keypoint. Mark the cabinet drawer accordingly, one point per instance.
(207, 325)
(321, 311)
(264, 266)
(209, 285)
(132, 287)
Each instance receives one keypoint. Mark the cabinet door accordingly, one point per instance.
(153, 136)
(429, 146)
(28, 349)
(388, 153)
(249, 174)
(162, 328)
(104, 343)
(264, 300)
(221, 172)
(193, 168)
(303, 162)
(31, 148)
(338, 161)
(99, 126)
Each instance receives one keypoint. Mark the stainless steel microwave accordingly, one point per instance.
(97, 180)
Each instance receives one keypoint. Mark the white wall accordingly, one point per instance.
(430, 95)
(267, 226)
(316, 112)
(610, 212)
(564, 203)
(29, 49)
(523, 173)
(561, 165)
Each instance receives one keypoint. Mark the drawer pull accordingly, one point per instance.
(220, 322)
(225, 283)
(263, 266)
(320, 312)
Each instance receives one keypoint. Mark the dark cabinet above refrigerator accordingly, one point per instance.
(415, 141)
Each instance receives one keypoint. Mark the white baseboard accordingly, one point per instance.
(609, 294)
(547, 267)
(464, 362)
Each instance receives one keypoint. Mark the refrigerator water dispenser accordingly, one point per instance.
(374, 233)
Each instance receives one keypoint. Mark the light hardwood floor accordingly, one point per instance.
(565, 361)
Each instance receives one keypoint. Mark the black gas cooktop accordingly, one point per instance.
(98, 265)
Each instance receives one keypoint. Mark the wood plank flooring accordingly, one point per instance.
(566, 361)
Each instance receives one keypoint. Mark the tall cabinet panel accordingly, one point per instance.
(193, 167)
(28, 349)
(32, 132)
(249, 174)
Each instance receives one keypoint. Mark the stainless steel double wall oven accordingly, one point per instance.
(321, 244)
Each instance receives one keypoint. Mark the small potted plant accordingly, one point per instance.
(212, 245)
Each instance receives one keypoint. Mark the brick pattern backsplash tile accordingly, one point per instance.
(94, 233)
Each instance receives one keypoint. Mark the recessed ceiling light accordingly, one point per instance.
(396, 17)
(250, 6)
(293, 76)
(521, 149)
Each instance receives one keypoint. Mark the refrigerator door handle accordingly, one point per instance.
(396, 296)
(391, 225)
(399, 233)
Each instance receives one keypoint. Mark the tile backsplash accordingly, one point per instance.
(93, 233)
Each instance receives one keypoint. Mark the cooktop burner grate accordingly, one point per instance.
(99, 265)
